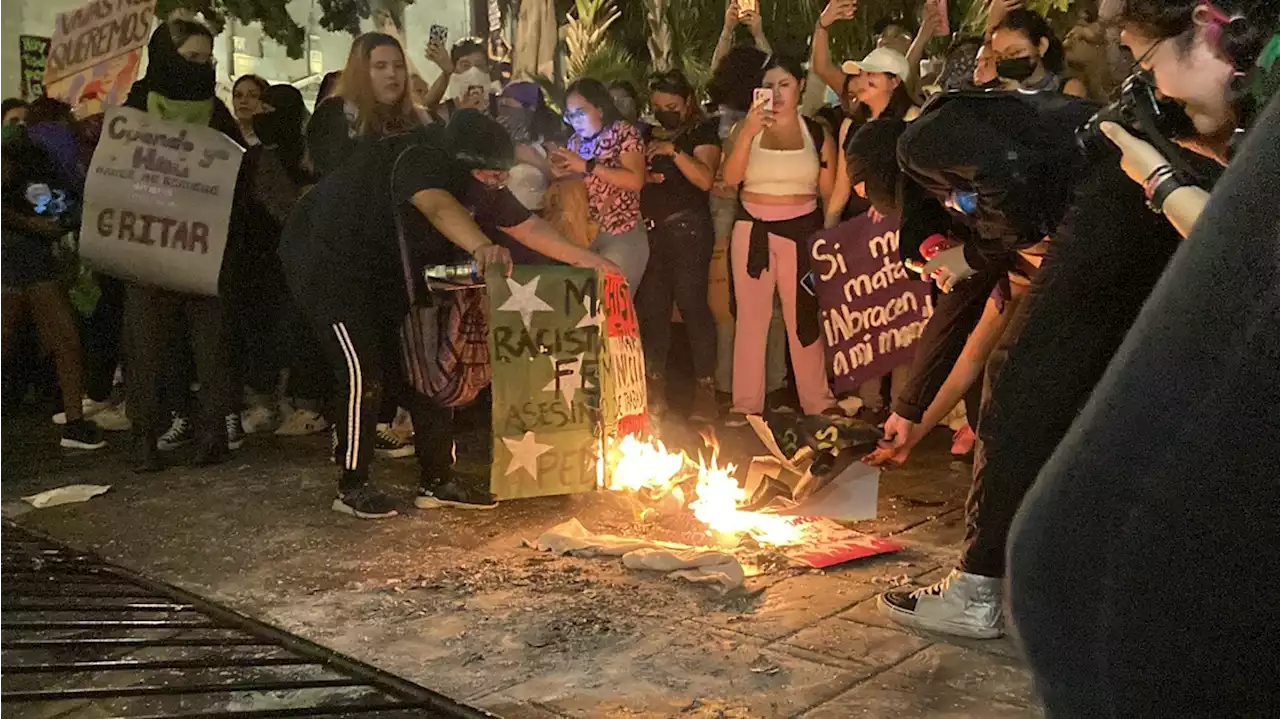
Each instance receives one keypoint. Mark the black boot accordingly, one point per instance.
(147, 457)
(657, 396)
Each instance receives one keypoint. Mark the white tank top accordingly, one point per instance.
(783, 172)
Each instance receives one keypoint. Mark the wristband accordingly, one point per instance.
(1162, 192)
(591, 166)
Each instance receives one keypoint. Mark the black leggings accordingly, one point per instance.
(678, 271)
(363, 348)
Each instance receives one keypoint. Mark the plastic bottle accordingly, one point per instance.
(467, 273)
(932, 245)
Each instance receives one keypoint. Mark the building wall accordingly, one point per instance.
(240, 49)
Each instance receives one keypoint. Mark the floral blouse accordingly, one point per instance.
(611, 207)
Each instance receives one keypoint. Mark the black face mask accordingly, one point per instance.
(1016, 69)
(669, 119)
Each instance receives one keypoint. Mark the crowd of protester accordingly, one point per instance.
(1051, 251)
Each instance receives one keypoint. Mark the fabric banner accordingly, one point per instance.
(544, 342)
(623, 391)
(873, 310)
(33, 52)
(158, 201)
(96, 50)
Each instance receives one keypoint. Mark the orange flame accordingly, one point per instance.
(647, 466)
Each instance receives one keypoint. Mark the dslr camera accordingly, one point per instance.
(1140, 110)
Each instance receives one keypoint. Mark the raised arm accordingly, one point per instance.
(820, 60)
(929, 24)
(842, 188)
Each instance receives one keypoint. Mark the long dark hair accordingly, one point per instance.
(740, 72)
(674, 82)
(1036, 28)
(595, 92)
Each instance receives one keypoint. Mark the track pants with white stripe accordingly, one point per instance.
(363, 348)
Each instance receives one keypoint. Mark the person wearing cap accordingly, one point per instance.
(891, 34)
(341, 256)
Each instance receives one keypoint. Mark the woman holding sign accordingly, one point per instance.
(786, 166)
(180, 86)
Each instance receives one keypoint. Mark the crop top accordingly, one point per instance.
(783, 172)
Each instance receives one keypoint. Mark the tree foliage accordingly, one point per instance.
(277, 24)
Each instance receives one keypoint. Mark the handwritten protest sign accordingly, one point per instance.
(623, 392)
(96, 50)
(158, 201)
(33, 51)
(872, 309)
(544, 341)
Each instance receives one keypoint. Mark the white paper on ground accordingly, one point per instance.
(852, 495)
(69, 494)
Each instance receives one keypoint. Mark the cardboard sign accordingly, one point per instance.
(96, 50)
(544, 343)
(828, 544)
(158, 201)
(624, 391)
(32, 53)
(95, 33)
(873, 310)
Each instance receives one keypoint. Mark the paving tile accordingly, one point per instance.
(791, 605)
(969, 672)
(875, 702)
(872, 646)
(696, 671)
(508, 708)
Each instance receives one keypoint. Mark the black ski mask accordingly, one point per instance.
(669, 119)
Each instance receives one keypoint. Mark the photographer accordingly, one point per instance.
(1141, 562)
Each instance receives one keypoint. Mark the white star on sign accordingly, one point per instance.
(592, 317)
(525, 300)
(524, 453)
(569, 383)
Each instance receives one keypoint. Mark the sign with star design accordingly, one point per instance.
(567, 367)
(544, 342)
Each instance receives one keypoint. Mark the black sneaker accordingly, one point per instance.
(365, 502)
(211, 450)
(235, 431)
(390, 444)
(179, 434)
(82, 434)
(453, 492)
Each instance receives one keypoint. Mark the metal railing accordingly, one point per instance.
(80, 634)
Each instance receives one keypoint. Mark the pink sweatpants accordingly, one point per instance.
(754, 296)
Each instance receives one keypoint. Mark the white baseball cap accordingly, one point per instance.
(881, 59)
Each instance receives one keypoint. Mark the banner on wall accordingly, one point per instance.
(33, 51)
(95, 52)
(873, 309)
(158, 201)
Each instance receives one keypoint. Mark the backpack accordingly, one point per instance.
(444, 340)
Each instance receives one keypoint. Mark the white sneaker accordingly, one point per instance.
(88, 408)
(258, 418)
(113, 418)
(301, 422)
(962, 604)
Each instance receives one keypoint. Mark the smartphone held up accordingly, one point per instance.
(762, 97)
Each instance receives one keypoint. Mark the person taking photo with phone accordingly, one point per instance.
(785, 164)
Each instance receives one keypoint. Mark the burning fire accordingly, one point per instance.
(647, 467)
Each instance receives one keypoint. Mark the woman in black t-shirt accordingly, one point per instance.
(684, 155)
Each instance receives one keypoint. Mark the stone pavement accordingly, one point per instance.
(453, 601)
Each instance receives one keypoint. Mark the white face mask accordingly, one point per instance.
(459, 83)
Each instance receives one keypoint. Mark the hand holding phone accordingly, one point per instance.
(762, 97)
(438, 34)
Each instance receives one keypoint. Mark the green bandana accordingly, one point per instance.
(1266, 79)
(195, 112)
(11, 131)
